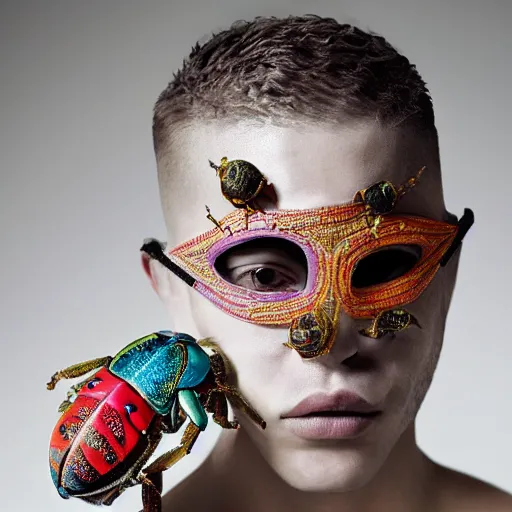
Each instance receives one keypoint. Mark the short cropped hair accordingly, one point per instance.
(299, 68)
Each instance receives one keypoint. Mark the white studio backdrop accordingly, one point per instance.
(78, 194)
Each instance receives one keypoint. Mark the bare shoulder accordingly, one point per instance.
(459, 491)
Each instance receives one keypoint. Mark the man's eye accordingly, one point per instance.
(385, 265)
(266, 264)
(267, 279)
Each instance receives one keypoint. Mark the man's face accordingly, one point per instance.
(309, 167)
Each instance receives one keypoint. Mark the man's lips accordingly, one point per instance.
(341, 415)
(341, 403)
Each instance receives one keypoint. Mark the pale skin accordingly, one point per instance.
(273, 470)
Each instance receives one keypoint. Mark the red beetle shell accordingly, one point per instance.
(100, 437)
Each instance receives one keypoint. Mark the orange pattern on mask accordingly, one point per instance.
(334, 239)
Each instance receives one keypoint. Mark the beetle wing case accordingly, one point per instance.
(160, 364)
(106, 436)
(99, 438)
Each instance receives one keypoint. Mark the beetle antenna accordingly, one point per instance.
(216, 167)
(212, 218)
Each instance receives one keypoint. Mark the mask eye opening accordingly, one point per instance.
(385, 265)
(265, 252)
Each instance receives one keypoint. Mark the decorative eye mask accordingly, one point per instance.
(358, 257)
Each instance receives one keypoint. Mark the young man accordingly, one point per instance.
(328, 288)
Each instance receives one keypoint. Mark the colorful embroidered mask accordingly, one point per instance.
(367, 269)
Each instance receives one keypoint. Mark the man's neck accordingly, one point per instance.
(245, 481)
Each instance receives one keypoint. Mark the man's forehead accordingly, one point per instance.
(309, 166)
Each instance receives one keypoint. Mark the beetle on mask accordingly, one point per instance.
(361, 258)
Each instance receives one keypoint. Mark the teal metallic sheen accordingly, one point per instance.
(153, 364)
(189, 402)
(197, 367)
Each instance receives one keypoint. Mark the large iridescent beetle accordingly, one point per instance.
(113, 421)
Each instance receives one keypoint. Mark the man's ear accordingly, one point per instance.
(151, 271)
(173, 292)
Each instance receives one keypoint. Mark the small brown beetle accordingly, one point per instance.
(382, 197)
(240, 181)
(389, 321)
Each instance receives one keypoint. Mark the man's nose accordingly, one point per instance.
(318, 332)
(345, 342)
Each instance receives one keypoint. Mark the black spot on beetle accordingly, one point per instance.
(110, 457)
(94, 382)
(129, 408)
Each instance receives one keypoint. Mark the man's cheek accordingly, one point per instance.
(259, 374)
(253, 350)
(406, 362)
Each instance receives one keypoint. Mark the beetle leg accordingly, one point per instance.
(250, 209)
(212, 218)
(238, 401)
(222, 370)
(173, 421)
(373, 229)
(218, 364)
(170, 458)
(208, 343)
(214, 346)
(216, 403)
(71, 395)
(191, 405)
(104, 498)
(152, 493)
(410, 183)
(77, 370)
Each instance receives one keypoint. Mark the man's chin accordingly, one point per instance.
(310, 471)
(327, 482)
